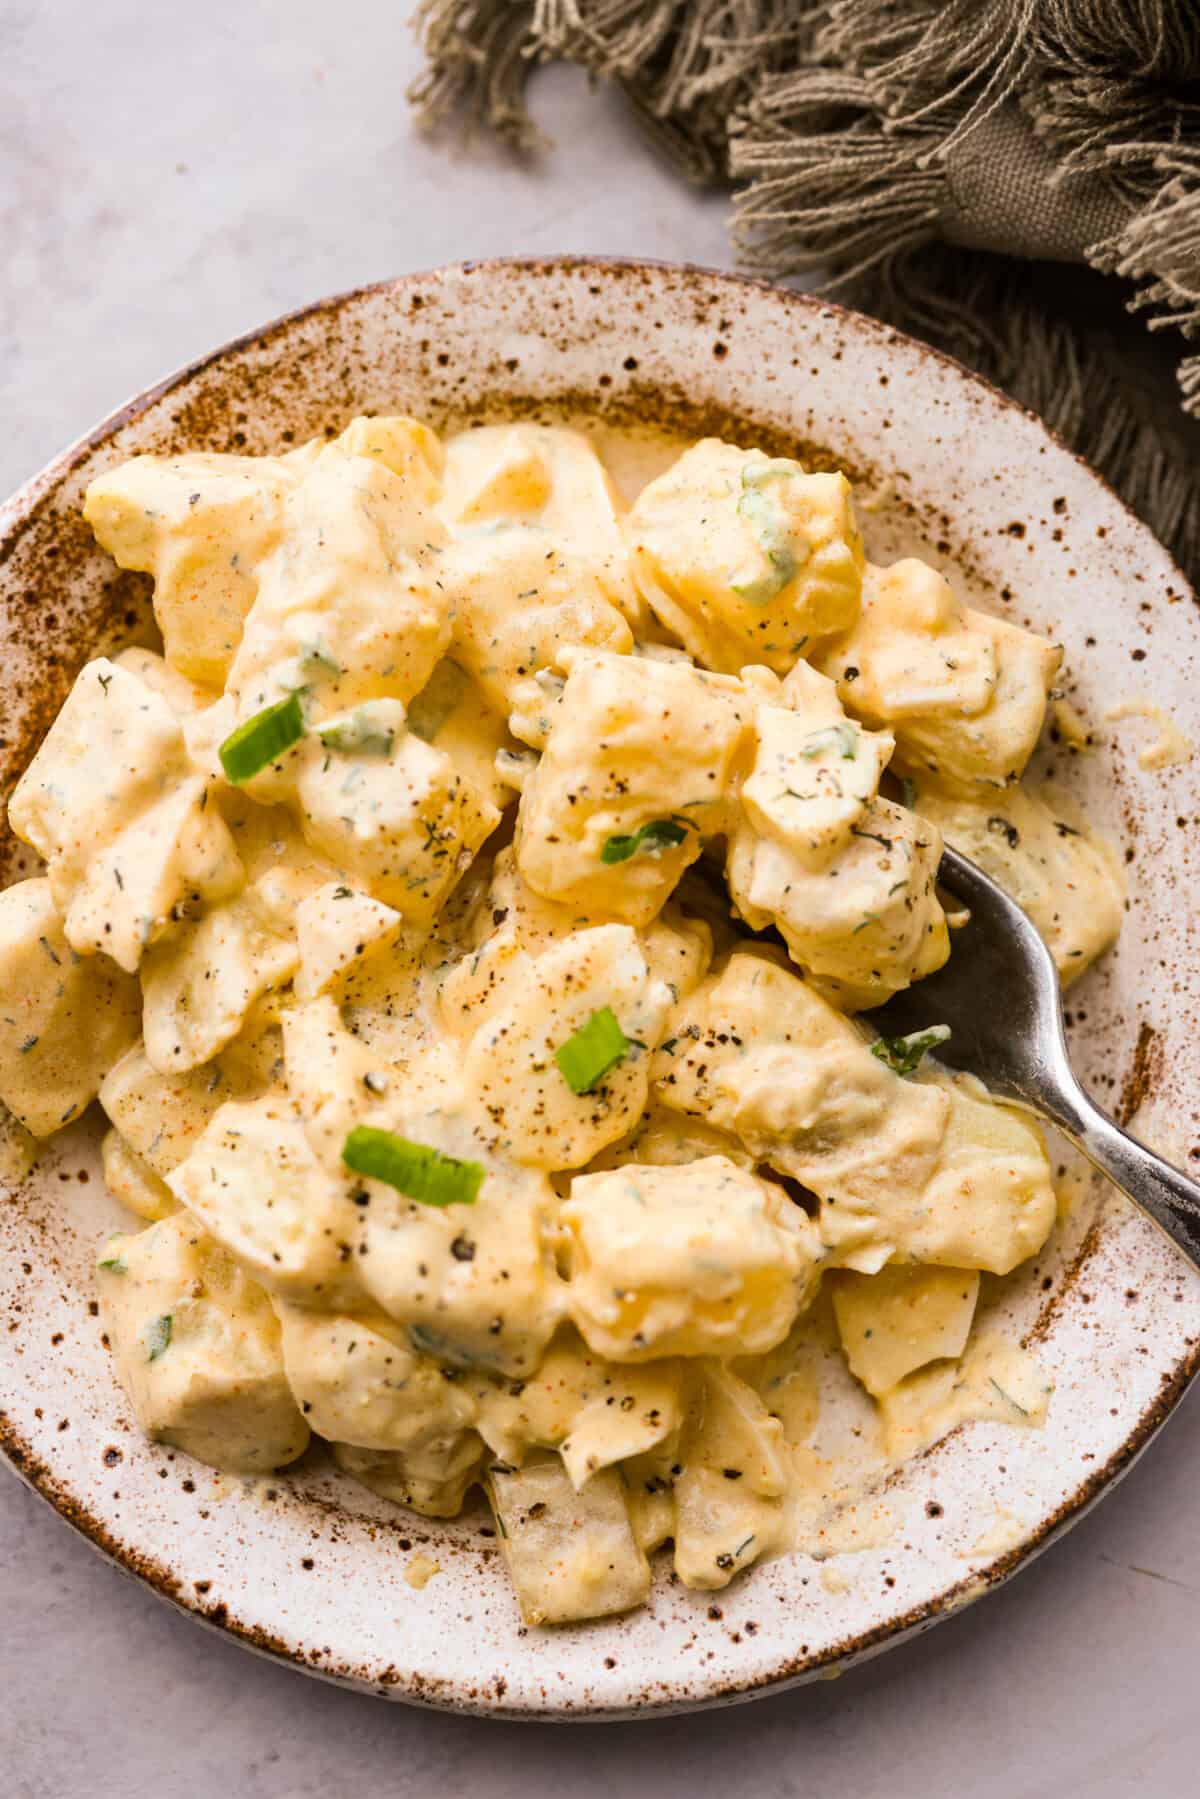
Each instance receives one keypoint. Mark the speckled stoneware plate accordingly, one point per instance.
(311, 1568)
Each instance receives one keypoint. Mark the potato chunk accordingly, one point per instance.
(432, 1478)
(510, 918)
(594, 1412)
(253, 1181)
(475, 1285)
(548, 478)
(183, 696)
(358, 1381)
(638, 767)
(452, 713)
(510, 1066)
(518, 600)
(410, 449)
(159, 1115)
(201, 982)
(348, 603)
(1069, 884)
(719, 1531)
(130, 1178)
(745, 558)
(197, 1349)
(335, 926)
(570, 1555)
(990, 1202)
(200, 525)
(756, 1052)
(669, 1139)
(867, 923)
(63, 1019)
(847, 878)
(732, 1473)
(894, 1322)
(965, 693)
(404, 822)
(112, 804)
(815, 775)
(495, 475)
(702, 1259)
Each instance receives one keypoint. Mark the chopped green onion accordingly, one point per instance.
(115, 1264)
(903, 1054)
(312, 656)
(414, 1169)
(261, 740)
(440, 697)
(776, 468)
(659, 834)
(592, 1051)
(843, 737)
(357, 733)
(157, 1337)
(763, 518)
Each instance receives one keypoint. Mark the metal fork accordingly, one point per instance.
(1000, 995)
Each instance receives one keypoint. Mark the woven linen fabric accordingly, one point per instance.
(938, 165)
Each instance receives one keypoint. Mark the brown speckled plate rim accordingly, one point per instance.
(20, 506)
(16, 514)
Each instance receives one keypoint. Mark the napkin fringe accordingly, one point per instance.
(841, 123)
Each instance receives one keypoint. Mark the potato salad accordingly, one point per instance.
(460, 917)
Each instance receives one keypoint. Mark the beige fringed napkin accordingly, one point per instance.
(1010, 179)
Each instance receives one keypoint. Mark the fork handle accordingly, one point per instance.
(1169, 1197)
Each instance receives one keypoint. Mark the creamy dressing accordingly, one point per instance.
(1007, 1532)
(419, 1570)
(996, 1380)
(1170, 747)
(843, 1451)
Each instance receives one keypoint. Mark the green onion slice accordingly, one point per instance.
(312, 656)
(437, 701)
(592, 1051)
(414, 1169)
(261, 740)
(358, 733)
(157, 1337)
(903, 1054)
(842, 737)
(763, 517)
(776, 468)
(649, 839)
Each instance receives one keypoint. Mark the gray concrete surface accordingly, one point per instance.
(170, 175)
